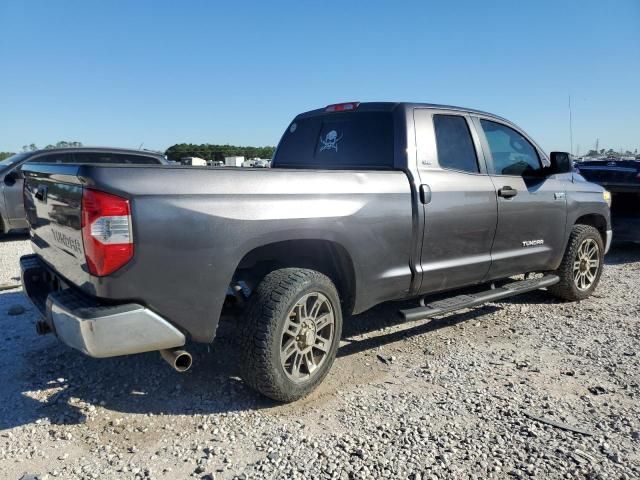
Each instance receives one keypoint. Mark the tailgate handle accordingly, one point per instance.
(41, 193)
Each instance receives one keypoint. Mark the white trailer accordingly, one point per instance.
(233, 161)
(194, 161)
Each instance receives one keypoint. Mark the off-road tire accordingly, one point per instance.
(266, 316)
(567, 289)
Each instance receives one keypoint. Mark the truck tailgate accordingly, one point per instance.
(53, 205)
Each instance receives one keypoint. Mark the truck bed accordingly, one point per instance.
(181, 268)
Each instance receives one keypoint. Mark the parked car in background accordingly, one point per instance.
(261, 163)
(622, 178)
(12, 216)
(364, 203)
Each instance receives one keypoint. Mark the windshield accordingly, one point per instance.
(12, 159)
(354, 140)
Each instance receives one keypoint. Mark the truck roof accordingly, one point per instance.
(389, 106)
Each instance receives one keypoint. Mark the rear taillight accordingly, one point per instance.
(106, 231)
(342, 107)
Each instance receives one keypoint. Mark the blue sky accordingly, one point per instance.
(156, 72)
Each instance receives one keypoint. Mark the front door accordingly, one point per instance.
(12, 191)
(532, 208)
(458, 199)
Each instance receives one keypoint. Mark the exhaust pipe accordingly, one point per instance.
(180, 360)
(42, 328)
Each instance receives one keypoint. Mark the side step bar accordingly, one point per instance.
(473, 300)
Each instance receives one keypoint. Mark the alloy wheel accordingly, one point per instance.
(307, 336)
(586, 264)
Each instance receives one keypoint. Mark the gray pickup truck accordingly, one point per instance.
(365, 203)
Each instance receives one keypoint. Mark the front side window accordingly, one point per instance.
(454, 143)
(12, 160)
(512, 153)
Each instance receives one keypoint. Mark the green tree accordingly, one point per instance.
(4, 155)
(214, 152)
(64, 144)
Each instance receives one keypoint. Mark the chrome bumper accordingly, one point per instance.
(607, 244)
(96, 329)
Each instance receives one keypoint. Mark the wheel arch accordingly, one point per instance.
(325, 256)
(599, 222)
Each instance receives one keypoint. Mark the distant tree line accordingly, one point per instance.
(63, 144)
(32, 147)
(213, 152)
(610, 153)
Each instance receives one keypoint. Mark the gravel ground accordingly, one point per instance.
(11, 248)
(470, 395)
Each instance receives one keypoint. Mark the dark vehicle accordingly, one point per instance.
(622, 179)
(364, 203)
(12, 215)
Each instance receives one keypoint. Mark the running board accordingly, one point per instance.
(452, 304)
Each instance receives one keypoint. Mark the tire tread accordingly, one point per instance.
(566, 289)
(268, 303)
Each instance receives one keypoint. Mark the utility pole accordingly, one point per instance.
(570, 126)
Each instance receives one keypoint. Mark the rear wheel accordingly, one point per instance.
(292, 333)
(581, 265)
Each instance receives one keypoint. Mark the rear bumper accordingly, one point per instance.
(85, 324)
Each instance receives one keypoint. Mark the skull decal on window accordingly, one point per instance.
(330, 141)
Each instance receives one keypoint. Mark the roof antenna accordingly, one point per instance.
(140, 147)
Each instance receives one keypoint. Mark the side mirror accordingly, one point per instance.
(560, 163)
(11, 178)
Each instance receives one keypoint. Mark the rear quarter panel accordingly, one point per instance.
(188, 245)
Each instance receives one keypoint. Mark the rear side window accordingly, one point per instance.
(454, 143)
(512, 153)
(106, 157)
(53, 158)
(344, 140)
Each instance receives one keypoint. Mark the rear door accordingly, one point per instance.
(532, 209)
(12, 192)
(458, 198)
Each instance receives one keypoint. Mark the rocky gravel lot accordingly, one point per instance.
(529, 387)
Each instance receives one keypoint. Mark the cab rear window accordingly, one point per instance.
(344, 140)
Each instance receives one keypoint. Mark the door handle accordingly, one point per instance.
(425, 193)
(507, 192)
